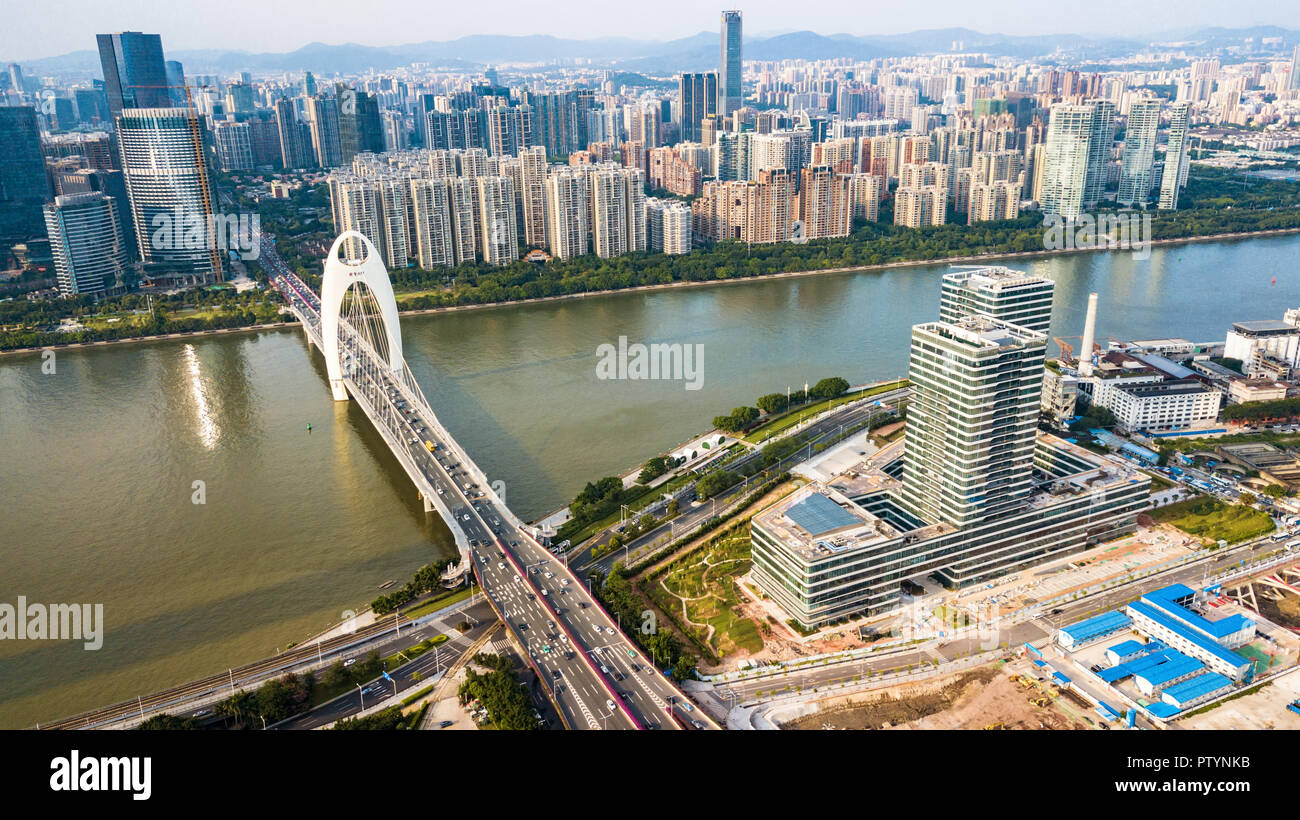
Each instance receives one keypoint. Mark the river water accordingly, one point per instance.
(98, 461)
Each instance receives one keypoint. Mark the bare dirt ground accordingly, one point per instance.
(1262, 709)
(979, 699)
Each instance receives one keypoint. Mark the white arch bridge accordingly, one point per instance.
(354, 324)
(566, 634)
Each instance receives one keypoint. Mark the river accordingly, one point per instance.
(98, 460)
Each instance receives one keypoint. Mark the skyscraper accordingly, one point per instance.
(730, 90)
(566, 214)
(998, 293)
(326, 141)
(1293, 79)
(1099, 145)
(90, 253)
(971, 426)
(1176, 156)
(532, 195)
(163, 162)
(1065, 170)
(433, 233)
(135, 74)
(1135, 178)
(295, 138)
(699, 99)
(24, 186)
(496, 205)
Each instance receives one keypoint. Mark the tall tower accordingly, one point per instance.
(163, 163)
(24, 185)
(699, 100)
(730, 93)
(971, 427)
(1065, 171)
(135, 74)
(1176, 156)
(1135, 179)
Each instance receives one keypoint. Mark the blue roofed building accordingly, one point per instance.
(1167, 615)
(1196, 690)
(1084, 632)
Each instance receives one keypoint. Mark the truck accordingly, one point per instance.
(431, 446)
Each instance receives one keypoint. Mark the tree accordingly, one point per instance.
(653, 468)
(673, 508)
(772, 403)
(828, 388)
(715, 482)
(1249, 499)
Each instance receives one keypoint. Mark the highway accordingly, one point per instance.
(595, 675)
(692, 517)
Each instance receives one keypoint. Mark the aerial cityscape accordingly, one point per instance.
(762, 377)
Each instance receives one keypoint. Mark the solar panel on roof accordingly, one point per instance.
(817, 514)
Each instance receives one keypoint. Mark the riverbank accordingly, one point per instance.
(909, 263)
(220, 331)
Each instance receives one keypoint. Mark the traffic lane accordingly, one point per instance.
(579, 679)
(594, 628)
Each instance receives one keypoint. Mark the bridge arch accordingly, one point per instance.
(340, 275)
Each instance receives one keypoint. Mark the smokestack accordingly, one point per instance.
(1089, 333)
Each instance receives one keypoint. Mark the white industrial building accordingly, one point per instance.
(1163, 405)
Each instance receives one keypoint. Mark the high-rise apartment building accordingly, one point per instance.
(1136, 177)
(1065, 170)
(498, 233)
(1100, 143)
(730, 75)
(921, 206)
(668, 225)
(566, 214)
(532, 195)
(295, 137)
(86, 240)
(991, 201)
(234, 145)
(326, 139)
(1177, 156)
(431, 215)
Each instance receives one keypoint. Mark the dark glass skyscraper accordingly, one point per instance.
(699, 99)
(24, 187)
(135, 74)
(730, 94)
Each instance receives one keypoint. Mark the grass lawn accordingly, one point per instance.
(1211, 519)
(792, 417)
(706, 580)
(434, 604)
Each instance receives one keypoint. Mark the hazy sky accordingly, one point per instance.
(31, 29)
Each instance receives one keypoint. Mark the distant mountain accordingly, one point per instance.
(651, 57)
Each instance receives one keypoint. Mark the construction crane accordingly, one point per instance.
(1067, 349)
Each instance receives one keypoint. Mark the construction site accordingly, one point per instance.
(1002, 695)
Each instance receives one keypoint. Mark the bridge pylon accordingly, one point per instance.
(340, 276)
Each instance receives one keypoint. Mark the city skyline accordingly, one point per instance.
(40, 35)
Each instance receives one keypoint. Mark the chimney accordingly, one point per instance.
(1089, 333)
